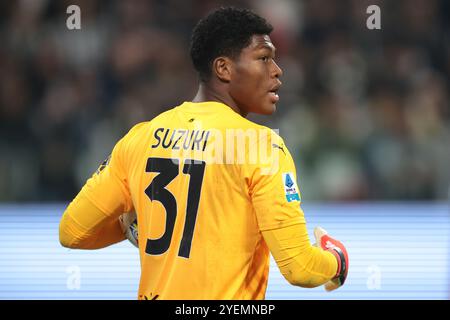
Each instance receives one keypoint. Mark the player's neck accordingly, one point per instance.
(206, 93)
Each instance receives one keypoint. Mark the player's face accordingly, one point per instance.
(254, 81)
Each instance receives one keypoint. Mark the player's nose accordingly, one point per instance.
(277, 71)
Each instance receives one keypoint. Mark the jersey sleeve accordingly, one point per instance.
(108, 187)
(299, 262)
(91, 219)
(276, 200)
(273, 187)
(84, 226)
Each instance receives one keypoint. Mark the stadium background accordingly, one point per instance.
(365, 114)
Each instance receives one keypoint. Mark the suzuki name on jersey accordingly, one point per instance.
(177, 139)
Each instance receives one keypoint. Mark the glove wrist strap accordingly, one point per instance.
(342, 267)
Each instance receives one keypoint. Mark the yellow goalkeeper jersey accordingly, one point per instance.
(204, 182)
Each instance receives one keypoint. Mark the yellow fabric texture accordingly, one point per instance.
(240, 200)
(299, 262)
(84, 226)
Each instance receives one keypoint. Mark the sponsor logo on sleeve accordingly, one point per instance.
(290, 187)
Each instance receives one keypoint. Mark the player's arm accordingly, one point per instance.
(91, 221)
(276, 199)
(299, 262)
(303, 264)
(84, 226)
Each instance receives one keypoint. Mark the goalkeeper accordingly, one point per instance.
(206, 227)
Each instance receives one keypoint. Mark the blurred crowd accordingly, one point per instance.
(364, 112)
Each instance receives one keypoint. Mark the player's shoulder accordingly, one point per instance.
(144, 127)
(136, 138)
(244, 123)
(262, 138)
(264, 133)
(135, 131)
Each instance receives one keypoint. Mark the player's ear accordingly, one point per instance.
(222, 68)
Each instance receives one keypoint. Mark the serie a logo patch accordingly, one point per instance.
(290, 187)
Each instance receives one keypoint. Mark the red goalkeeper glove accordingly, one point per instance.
(324, 241)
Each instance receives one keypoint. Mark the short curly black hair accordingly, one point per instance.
(224, 32)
